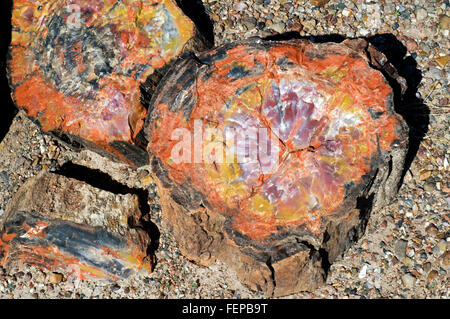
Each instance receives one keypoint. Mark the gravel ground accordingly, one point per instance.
(405, 250)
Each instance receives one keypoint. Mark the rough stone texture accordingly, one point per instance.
(59, 223)
(76, 67)
(338, 141)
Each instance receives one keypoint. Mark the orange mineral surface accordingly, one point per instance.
(76, 65)
(270, 139)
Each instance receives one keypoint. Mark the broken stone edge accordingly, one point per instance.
(65, 244)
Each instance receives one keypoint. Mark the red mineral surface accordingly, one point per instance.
(76, 66)
(315, 143)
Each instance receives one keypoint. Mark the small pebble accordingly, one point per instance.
(408, 280)
(432, 275)
(55, 278)
(432, 230)
(421, 14)
(400, 249)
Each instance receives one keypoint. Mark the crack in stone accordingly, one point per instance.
(272, 274)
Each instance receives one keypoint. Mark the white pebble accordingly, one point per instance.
(364, 32)
(421, 14)
(363, 272)
(346, 12)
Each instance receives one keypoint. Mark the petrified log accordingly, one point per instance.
(336, 152)
(62, 224)
(76, 67)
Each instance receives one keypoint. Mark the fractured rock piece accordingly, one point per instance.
(58, 223)
(76, 67)
(315, 146)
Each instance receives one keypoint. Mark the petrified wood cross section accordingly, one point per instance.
(76, 66)
(333, 151)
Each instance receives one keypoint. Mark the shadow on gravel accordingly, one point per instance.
(412, 108)
(8, 110)
(409, 106)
